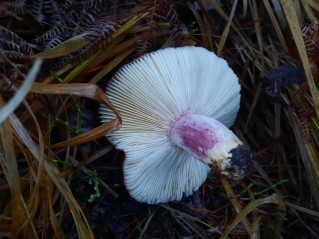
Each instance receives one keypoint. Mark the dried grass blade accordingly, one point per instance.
(91, 135)
(292, 19)
(224, 35)
(222, 13)
(65, 48)
(273, 199)
(147, 223)
(91, 91)
(189, 225)
(37, 175)
(308, 158)
(312, 152)
(279, 13)
(276, 26)
(110, 52)
(182, 214)
(254, 12)
(127, 25)
(256, 225)
(130, 23)
(232, 197)
(80, 67)
(245, 5)
(81, 223)
(58, 232)
(22, 92)
(308, 5)
(12, 176)
(303, 209)
(58, 73)
(312, 3)
(111, 65)
(254, 103)
(200, 23)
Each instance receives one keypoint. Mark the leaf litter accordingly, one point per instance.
(61, 178)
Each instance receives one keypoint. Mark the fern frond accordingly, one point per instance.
(17, 6)
(96, 5)
(162, 12)
(305, 127)
(311, 38)
(53, 37)
(13, 45)
(101, 29)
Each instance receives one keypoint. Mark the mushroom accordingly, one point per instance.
(176, 105)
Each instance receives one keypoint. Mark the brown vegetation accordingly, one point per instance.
(60, 178)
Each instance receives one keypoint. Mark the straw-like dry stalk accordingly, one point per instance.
(59, 176)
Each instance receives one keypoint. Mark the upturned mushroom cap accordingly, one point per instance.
(160, 96)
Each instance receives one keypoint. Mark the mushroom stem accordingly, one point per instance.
(212, 143)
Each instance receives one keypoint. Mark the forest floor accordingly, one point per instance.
(61, 178)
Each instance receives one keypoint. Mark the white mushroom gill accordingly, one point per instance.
(153, 93)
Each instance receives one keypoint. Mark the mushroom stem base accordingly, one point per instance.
(211, 142)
